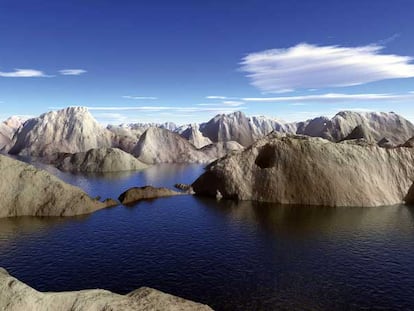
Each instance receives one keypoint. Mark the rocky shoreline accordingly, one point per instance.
(17, 296)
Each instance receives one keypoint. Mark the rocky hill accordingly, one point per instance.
(68, 130)
(98, 160)
(303, 170)
(33, 192)
(159, 145)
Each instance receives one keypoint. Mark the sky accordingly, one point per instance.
(186, 61)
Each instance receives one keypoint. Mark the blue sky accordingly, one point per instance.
(185, 61)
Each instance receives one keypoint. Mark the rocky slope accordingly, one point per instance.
(98, 160)
(7, 130)
(220, 149)
(27, 191)
(68, 130)
(226, 127)
(311, 171)
(193, 135)
(377, 125)
(158, 145)
(17, 296)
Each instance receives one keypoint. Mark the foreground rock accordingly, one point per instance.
(311, 171)
(68, 130)
(159, 145)
(145, 193)
(98, 160)
(16, 296)
(27, 191)
(409, 199)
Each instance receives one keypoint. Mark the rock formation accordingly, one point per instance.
(145, 193)
(159, 145)
(27, 191)
(225, 127)
(311, 171)
(16, 296)
(409, 143)
(7, 130)
(68, 130)
(98, 160)
(377, 125)
(220, 149)
(409, 198)
(193, 135)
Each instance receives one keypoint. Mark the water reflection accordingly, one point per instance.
(307, 220)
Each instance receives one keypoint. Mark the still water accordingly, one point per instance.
(231, 256)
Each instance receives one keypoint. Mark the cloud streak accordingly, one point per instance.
(332, 97)
(307, 66)
(24, 73)
(140, 97)
(72, 72)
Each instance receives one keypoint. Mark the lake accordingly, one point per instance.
(231, 256)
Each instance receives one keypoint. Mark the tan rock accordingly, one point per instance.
(145, 193)
(17, 296)
(28, 191)
(98, 160)
(311, 171)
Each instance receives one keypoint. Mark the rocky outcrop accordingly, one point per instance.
(159, 145)
(409, 198)
(311, 171)
(145, 193)
(27, 191)
(68, 130)
(409, 143)
(226, 127)
(7, 130)
(98, 160)
(377, 125)
(220, 149)
(16, 296)
(193, 135)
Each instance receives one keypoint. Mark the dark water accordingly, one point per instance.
(231, 256)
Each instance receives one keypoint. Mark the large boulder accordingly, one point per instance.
(16, 296)
(98, 160)
(409, 199)
(68, 130)
(27, 191)
(291, 169)
(158, 145)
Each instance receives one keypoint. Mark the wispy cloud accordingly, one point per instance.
(306, 66)
(229, 103)
(333, 97)
(140, 97)
(72, 72)
(24, 73)
(216, 97)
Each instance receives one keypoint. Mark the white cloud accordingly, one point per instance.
(24, 73)
(229, 103)
(306, 66)
(72, 72)
(140, 97)
(216, 97)
(333, 97)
